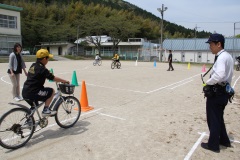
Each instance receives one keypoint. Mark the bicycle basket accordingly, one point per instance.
(67, 88)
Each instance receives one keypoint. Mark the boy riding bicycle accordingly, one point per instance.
(33, 88)
(97, 57)
(116, 58)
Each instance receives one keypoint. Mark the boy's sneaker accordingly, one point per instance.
(17, 99)
(48, 112)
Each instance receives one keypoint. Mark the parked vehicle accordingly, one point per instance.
(4, 52)
(25, 52)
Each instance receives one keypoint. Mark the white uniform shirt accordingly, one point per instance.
(97, 57)
(222, 70)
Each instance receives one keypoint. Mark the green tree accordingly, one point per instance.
(119, 28)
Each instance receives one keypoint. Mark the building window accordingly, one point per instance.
(8, 21)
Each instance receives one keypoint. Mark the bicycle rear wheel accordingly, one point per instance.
(16, 128)
(68, 112)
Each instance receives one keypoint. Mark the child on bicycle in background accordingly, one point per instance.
(97, 57)
(116, 58)
(238, 59)
(33, 88)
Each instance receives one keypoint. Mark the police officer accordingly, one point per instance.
(222, 72)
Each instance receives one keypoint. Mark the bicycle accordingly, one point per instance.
(18, 124)
(97, 61)
(238, 64)
(115, 64)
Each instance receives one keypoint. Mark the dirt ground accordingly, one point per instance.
(141, 112)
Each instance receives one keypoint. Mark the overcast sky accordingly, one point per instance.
(207, 15)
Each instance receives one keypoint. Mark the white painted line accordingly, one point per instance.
(172, 84)
(4, 80)
(54, 124)
(89, 112)
(111, 116)
(230, 139)
(115, 88)
(181, 84)
(236, 82)
(195, 146)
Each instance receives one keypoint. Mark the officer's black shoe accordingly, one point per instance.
(226, 145)
(205, 146)
(168, 70)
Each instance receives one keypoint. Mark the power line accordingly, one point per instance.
(200, 22)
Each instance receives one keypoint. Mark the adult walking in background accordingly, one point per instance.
(170, 61)
(16, 65)
(222, 72)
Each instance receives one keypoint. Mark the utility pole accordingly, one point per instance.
(196, 30)
(161, 10)
(234, 35)
(195, 37)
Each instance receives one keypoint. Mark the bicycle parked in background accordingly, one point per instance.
(18, 124)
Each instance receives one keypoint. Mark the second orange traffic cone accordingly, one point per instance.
(84, 99)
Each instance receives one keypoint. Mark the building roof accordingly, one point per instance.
(8, 7)
(186, 44)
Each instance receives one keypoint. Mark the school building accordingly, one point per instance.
(10, 28)
(196, 50)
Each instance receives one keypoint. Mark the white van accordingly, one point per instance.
(24, 52)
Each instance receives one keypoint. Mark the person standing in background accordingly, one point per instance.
(170, 61)
(16, 65)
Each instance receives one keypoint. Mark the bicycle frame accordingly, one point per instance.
(21, 124)
(57, 100)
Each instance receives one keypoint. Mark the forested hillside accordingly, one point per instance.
(61, 20)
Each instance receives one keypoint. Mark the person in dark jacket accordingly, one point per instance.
(34, 89)
(170, 61)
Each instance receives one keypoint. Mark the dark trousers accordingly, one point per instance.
(170, 66)
(215, 111)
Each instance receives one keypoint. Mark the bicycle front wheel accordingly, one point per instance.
(99, 62)
(16, 128)
(113, 65)
(118, 65)
(68, 112)
(237, 68)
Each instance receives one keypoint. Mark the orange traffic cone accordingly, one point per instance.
(84, 99)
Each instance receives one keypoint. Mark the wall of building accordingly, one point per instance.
(194, 56)
(10, 36)
(11, 31)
